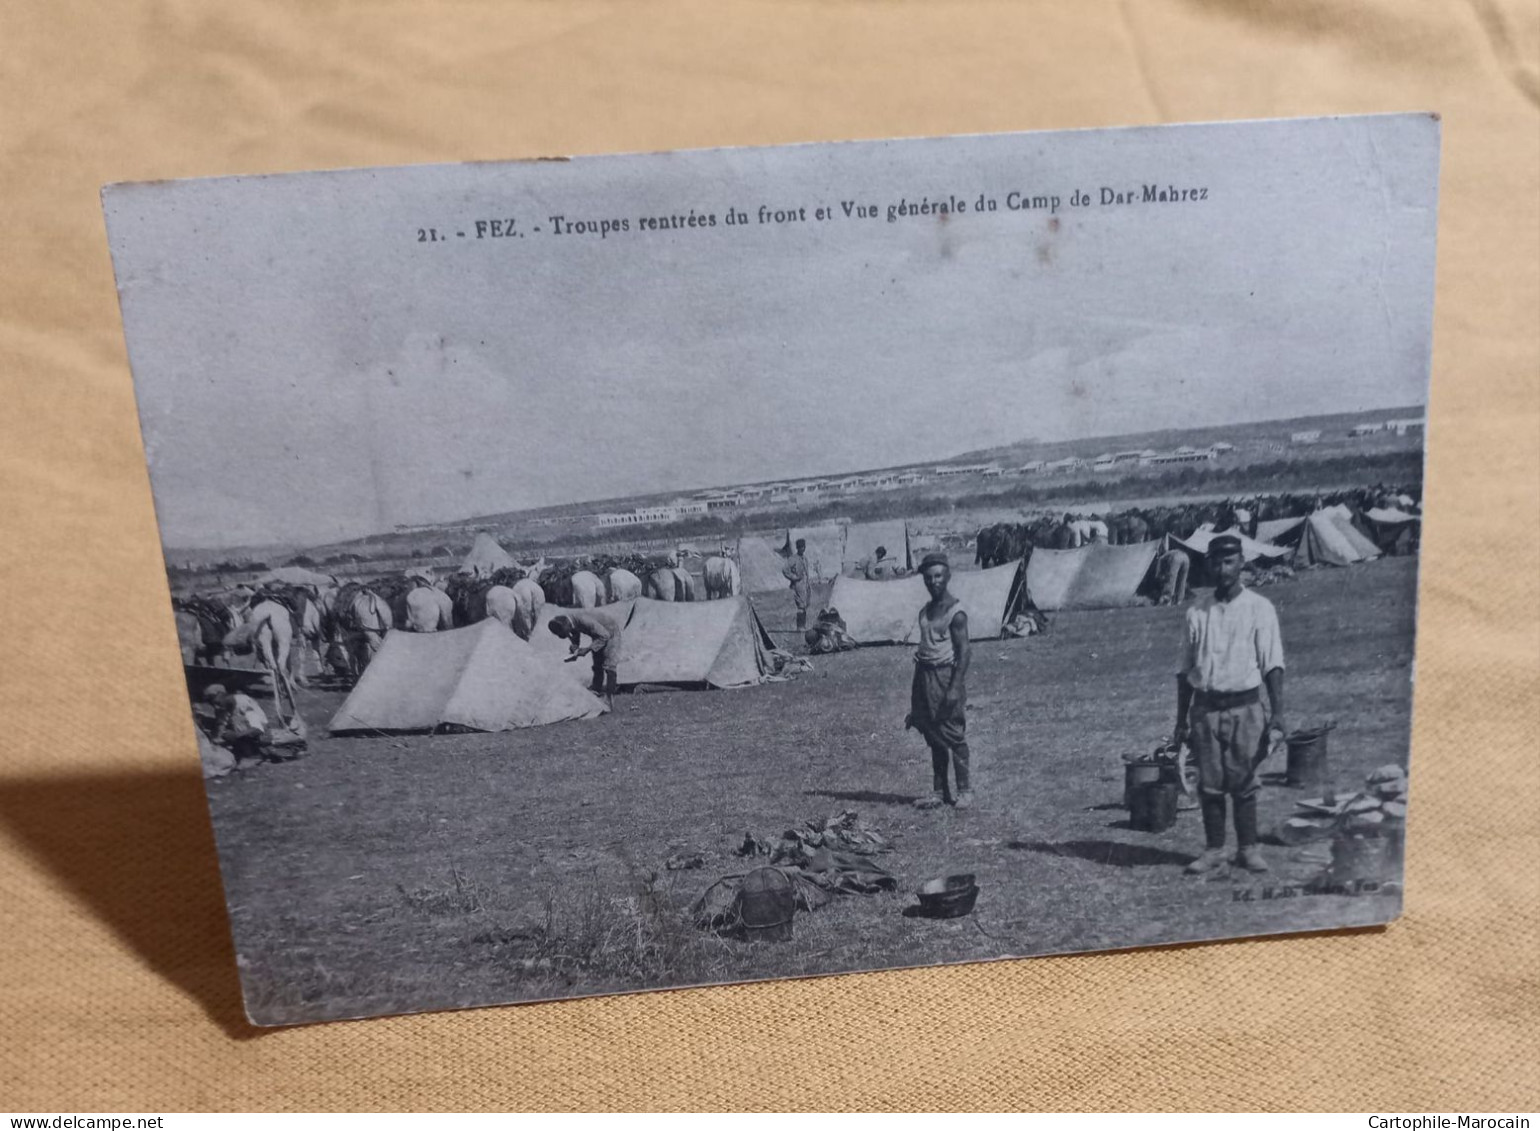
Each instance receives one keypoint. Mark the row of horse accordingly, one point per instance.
(1011, 541)
(345, 625)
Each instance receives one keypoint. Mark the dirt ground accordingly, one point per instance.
(400, 873)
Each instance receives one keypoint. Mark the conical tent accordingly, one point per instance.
(887, 612)
(1097, 576)
(486, 557)
(556, 649)
(711, 643)
(863, 538)
(481, 678)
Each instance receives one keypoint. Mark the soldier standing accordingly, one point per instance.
(1231, 648)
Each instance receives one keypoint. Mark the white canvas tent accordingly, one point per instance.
(711, 643)
(760, 565)
(297, 575)
(863, 538)
(886, 612)
(1251, 549)
(486, 557)
(1331, 539)
(1097, 576)
(1281, 532)
(481, 678)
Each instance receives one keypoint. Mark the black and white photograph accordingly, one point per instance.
(610, 574)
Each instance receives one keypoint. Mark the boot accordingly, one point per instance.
(1249, 856)
(1213, 835)
(609, 690)
(960, 768)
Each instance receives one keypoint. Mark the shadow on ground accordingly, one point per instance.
(1111, 852)
(865, 796)
(138, 849)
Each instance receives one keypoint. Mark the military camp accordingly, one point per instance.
(573, 724)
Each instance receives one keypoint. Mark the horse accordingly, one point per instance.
(721, 578)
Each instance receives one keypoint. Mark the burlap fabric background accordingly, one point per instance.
(117, 988)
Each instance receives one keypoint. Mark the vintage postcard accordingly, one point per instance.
(616, 573)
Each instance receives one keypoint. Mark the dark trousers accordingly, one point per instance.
(945, 732)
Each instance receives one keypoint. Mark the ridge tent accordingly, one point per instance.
(863, 538)
(1281, 532)
(1251, 549)
(482, 678)
(760, 565)
(1331, 539)
(887, 612)
(714, 643)
(486, 557)
(297, 575)
(825, 549)
(1097, 576)
(1392, 530)
(555, 650)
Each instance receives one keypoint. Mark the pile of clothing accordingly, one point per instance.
(828, 634)
(820, 859)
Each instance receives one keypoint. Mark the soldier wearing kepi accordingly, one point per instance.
(938, 697)
(1231, 647)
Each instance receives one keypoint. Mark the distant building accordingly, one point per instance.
(1310, 436)
(1402, 427)
(909, 479)
(1365, 429)
(1103, 463)
(1221, 447)
(685, 507)
(1031, 467)
(1188, 455)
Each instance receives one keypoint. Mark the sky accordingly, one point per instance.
(308, 369)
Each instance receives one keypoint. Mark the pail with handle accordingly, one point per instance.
(766, 906)
(1308, 766)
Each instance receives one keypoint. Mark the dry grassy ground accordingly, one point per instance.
(393, 873)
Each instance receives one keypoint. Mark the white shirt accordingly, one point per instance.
(1230, 645)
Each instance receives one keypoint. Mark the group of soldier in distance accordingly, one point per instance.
(1229, 670)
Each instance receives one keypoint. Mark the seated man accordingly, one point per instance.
(240, 724)
(604, 634)
(881, 567)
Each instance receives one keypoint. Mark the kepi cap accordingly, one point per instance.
(934, 559)
(1222, 544)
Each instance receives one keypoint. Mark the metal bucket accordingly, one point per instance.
(766, 905)
(1154, 807)
(1139, 774)
(1308, 766)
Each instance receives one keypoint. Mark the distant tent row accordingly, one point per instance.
(887, 612)
(834, 549)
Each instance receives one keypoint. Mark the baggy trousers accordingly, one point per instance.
(944, 732)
